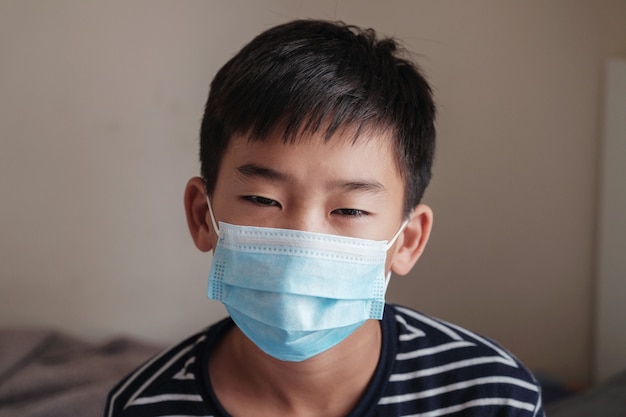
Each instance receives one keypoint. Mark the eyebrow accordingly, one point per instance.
(254, 170)
(367, 186)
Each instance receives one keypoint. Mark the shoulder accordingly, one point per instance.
(168, 376)
(444, 366)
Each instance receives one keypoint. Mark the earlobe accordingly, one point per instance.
(196, 209)
(414, 239)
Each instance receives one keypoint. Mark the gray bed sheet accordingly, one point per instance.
(50, 374)
(605, 400)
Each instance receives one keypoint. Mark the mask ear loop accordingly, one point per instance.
(217, 229)
(393, 240)
(397, 235)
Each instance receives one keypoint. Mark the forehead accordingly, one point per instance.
(369, 153)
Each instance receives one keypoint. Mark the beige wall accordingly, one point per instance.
(100, 104)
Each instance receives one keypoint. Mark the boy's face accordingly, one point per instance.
(338, 187)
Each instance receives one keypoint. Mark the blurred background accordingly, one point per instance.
(100, 107)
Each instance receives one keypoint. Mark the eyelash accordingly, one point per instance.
(261, 201)
(348, 212)
(264, 201)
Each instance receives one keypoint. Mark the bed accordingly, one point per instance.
(45, 373)
(605, 400)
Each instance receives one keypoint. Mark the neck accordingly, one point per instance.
(329, 384)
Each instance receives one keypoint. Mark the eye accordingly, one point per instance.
(350, 212)
(261, 201)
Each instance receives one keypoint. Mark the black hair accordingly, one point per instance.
(318, 77)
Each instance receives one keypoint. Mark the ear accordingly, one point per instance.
(412, 241)
(197, 210)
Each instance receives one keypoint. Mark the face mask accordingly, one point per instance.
(295, 294)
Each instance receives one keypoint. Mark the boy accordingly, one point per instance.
(316, 147)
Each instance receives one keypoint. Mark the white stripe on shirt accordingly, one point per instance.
(164, 368)
(432, 323)
(166, 397)
(481, 402)
(433, 350)
(447, 367)
(455, 387)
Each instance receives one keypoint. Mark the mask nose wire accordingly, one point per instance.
(217, 229)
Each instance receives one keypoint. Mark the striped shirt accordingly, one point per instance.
(427, 368)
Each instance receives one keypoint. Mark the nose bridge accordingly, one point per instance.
(306, 218)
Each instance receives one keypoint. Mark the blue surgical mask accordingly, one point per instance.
(296, 294)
